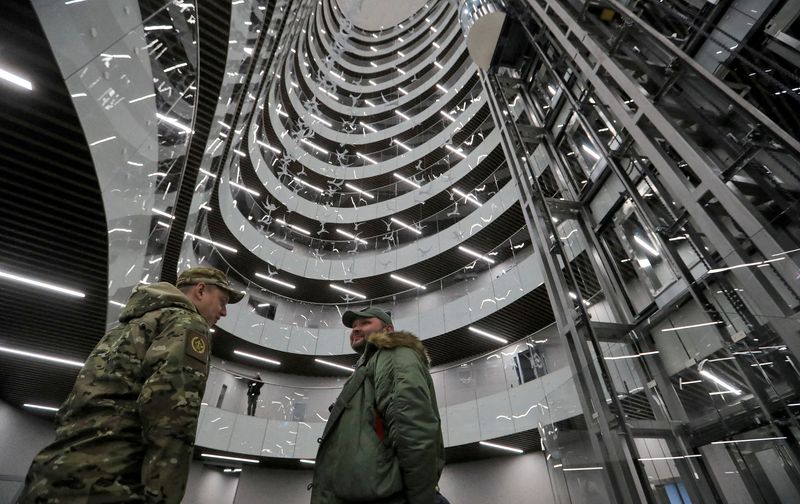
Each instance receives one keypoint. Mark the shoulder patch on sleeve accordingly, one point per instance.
(197, 348)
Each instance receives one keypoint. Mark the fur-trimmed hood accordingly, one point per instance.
(400, 339)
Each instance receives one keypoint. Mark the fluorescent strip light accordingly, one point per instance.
(303, 182)
(402, 90)
(400, 38)
(649, 248)
(373, 82)
(296, 228)
(39, 406)
(333, 364)
(239, 153)
(500, 447)
(210, 242)
(256, 357)
(669, 458)
(751, 440)
(307, 461)
(551, 90)
(488, 335)
(759, 263)
(438, 65)
(589, 151)
(402, 115)
(157, 27)
(314, 146)
(367, 126)
(42, 285)
(38, 356)
(174, 122)
(323, 121)
(401, 71)
(206, 172)
(475, 254)
(407, 181)
(244, 188)
(356, 189)
(442, 88)
(722, 383)
(351, 236)
(96, 142)
(704, 324)
(595, 468)
(455, 151)
(268, 146)
(473, 199)
(401, 144)
(401, 223)
(141, 98)
(373, 64)
(275, 280)
(362, 156)
(262, 305)
(369, 103)
(116, 303)
(453, 119)
(281, 112)
(16, 79)
(437, 46)
(235, 459)
(634, 356)
(409, 282)
(401, 54)
(348, 291)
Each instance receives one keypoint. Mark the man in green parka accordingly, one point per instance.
(125, 433)
(382, 443)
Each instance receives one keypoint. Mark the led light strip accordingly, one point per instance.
(296, 228)
(409, 282)
(401, 223)
(256, 357)
(475, 254)
(38, 356)
(351, 236)
(333, 364)
(210, 242)
(487, 335)
(275, 280)
(42, 285)
(348, 291)
(360, 191)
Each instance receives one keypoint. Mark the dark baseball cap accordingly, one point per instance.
(350, 317)
(209, 276)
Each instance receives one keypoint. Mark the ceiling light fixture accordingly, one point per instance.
(210, 242)
(307, 461)
(369, 103)
(409, 282)
(759, 263)
(441, 88)
(235, 459)
(719, 381)
(704, 324)
(437, 46)
(356, 189)
(256, 357)
(348, 291)
(244, 188)
(362, 156)
(475, 254)
(407, 181)
(275, 280)
(16, 79)
(751, 440)
(333, 364)
(401, 144)
(500, 447)
(40, 407)
(296, 228)
(487, 335)
(438, 65)
(367, 126)
(455, 151)
(303, 182)
(314, 146)
(351, 236)
(402, 115)
(263, 305)
(268, 146)
(42, 285)
(452, 119)
(402, 90)
(469, 197)
(174, 122)
(323, 121)
(43, 357)
(401, 223)
(589, 468)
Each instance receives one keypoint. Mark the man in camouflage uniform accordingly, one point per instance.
(125, 433)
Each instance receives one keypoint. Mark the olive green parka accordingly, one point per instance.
(383, 441)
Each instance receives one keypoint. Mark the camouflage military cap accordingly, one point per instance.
(209, 276)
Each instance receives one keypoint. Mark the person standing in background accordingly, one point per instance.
(253, 391)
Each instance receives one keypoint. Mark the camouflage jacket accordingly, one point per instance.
(126, 431)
